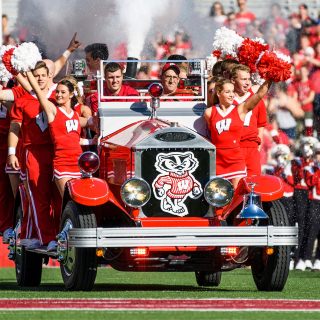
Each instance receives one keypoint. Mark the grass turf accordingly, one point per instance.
(114, 284)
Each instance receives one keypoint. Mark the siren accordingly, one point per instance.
(252, 207)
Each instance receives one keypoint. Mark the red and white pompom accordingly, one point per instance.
(226, 43)
(25, 57)
(5, 75)
(250, 51)
(272, 66)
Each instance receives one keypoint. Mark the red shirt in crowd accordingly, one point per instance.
(124, 91)
(303, 90)
(242, 20)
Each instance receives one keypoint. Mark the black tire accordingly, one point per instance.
(80, 268)
(28, 265)
(208, 279)
(270, 272)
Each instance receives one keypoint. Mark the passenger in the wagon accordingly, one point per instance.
(113, 74)
(170, 78)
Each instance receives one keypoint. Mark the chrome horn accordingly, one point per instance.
(252, 207)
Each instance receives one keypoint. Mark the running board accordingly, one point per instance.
(43, 251)
(183, 236)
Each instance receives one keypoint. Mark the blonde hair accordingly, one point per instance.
(76, 90)
(239, 67)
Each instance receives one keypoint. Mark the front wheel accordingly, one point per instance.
(208, 279)
(78, 266)
(270, 272)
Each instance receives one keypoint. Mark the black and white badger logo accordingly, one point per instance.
(176, 183)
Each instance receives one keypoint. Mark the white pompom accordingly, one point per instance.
(5, 75)
(227, 42)
(25, 57)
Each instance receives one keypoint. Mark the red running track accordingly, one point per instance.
(160, 304)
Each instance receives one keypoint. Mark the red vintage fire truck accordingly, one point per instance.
(149, 199)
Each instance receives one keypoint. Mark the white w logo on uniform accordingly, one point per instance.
(72, 125)
(223, 125)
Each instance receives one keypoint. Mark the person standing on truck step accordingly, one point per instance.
(254, 122)
(225, 121)
(36, 165)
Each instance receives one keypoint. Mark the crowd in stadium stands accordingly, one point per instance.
(288, 144)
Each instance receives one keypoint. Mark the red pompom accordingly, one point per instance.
(270, 67)
(6, 59)
(216, 53)
(249, 52)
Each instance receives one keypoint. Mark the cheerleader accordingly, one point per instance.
(226, 121)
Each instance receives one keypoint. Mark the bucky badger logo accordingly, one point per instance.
(176, 183)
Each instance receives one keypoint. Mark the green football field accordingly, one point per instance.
(114, 284)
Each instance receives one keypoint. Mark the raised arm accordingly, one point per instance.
(61, 61)
(48, 107)
(250, 103)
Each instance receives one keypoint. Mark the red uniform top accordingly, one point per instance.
(298, 166)
(312, 178)
(28, 112)
(18, 92)
(256, 118)
(226, 127)
(77, 109)
(285, 175)
(65, 132)
(124, 91)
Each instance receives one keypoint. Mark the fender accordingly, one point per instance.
(270, 188)
(91, 192)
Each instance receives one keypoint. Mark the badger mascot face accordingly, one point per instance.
(175, 182)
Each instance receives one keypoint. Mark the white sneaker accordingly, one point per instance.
(291, 265)
(52, 246)
(6, 234)
(316, 265)
(301, 265)
(308, 264)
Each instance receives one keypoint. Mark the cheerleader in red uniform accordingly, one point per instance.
(312, 227)
(65, 127)
(281, 154)
(225, 121)
(301, 191)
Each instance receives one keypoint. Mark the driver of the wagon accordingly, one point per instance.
(113, 86)
(170, 78)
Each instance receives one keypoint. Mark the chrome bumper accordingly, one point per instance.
(183, 236)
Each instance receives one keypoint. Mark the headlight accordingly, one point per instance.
(135, 192)
(218, 192)
(88, 163)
